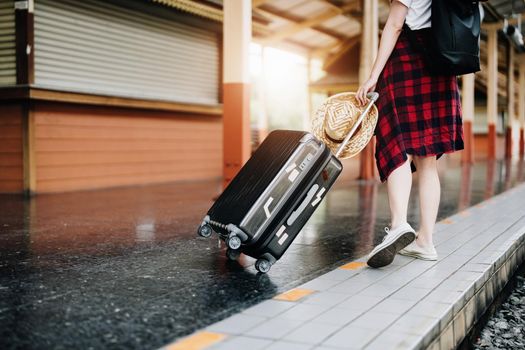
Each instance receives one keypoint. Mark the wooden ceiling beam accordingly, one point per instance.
(347, 45)
(303, 24)
(257, 3)
(280, 15)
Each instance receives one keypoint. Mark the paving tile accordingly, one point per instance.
(349, 287)
(242, 342)
(236, 324)
(395, 306)
(379, 290)
(446, 338)
(325, 298)
(360, 302)
(433, 310)
(294, 294)
(444, 296)
(277, 328)
(338, 316)
(354, 265)
(340, 274)
(466, 275)
(416, 325)
(320, 284)
(198, 340)
(425, 282)
(269, 308)
(374, 320)
(284, 345)
(312, 333)
(303, 312)
(397, 279)
(394, 341)
(456, 285)
(434, 345)
(470, 314)
(410, 293)
(459, 327)
(351, 337)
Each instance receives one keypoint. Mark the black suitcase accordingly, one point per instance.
(274, 194)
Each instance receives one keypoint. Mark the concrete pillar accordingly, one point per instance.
(492, 90)
(236, 87)
(25, 75)
(262, 123)
(369, 43)
(510, 102)
(467, 105)
(521, 105)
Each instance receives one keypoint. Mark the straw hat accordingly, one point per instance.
(336, 117)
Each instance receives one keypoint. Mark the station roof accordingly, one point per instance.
(330, 30)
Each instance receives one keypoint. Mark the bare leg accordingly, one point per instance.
(399, 183)
(429, 197)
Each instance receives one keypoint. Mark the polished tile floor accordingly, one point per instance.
(123, 268)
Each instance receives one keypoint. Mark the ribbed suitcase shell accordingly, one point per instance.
(255, 176)
(242, 202)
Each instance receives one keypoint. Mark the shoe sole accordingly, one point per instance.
(418, 256)
(386, 255)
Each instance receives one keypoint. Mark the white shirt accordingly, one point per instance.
(419, 12)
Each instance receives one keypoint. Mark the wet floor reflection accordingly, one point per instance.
(123, 268)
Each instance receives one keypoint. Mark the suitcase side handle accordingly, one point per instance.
(372, 96)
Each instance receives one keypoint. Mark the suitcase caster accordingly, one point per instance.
(205, 231)
(232, 254)
(263, 265)
(234, 242)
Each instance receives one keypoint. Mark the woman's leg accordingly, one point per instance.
(429, 197)
(400, 234)
(399, 183)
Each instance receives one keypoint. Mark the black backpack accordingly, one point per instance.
(453, 39)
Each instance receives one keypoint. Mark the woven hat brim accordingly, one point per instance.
(361, 137)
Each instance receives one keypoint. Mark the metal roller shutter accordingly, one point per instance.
(93, 46)
(7, 43)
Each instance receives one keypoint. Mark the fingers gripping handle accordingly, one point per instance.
(372, 96)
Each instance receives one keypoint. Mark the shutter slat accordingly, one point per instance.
(7, 43)
(94, 46)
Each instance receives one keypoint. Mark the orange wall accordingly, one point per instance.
(85, 147)
(11, 158)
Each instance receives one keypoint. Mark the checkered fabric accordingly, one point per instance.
(419, 114)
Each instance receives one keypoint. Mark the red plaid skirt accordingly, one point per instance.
(419, 114)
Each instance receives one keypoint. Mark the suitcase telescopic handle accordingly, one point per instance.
(372, 97)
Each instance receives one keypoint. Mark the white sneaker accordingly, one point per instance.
(395, 240)
(415, 251)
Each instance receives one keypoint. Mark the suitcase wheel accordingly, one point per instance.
(205, 231)
(233, 242)
(233, 254)
(263, 265)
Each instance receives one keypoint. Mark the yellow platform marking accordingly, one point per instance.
(447, 221)
(197, 341)
(354, 265)
(294, 294)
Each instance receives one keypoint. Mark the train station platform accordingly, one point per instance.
(123, 268)
(410, 304)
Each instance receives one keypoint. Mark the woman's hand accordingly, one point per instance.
(367, 87)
